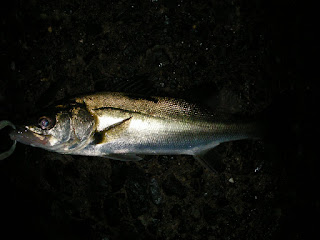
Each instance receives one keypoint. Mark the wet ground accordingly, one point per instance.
(257, 54)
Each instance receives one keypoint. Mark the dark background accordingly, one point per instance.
(261, 53)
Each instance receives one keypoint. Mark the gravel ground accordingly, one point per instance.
(256, 54)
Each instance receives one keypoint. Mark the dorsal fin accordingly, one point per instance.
(137, 84)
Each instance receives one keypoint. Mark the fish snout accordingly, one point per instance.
(16, 134)
(24, 135)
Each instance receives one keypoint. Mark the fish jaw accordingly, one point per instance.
(25, 136)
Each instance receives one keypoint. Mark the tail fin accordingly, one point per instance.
(275, 126)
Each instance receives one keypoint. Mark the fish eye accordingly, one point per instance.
(46, 123)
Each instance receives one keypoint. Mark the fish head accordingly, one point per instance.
(63, 129)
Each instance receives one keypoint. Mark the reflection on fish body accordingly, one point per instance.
(121, 126)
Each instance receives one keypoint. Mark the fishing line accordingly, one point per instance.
(6, 154)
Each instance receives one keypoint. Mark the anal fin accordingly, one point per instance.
(205, 162)
(209, 159)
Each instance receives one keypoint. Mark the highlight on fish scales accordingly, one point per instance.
(121, 126)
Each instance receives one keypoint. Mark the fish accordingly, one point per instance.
(124, 126)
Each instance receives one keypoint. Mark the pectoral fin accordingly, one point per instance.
(123, 157)
(112, 132)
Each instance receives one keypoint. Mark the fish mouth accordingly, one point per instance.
(25, 136)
